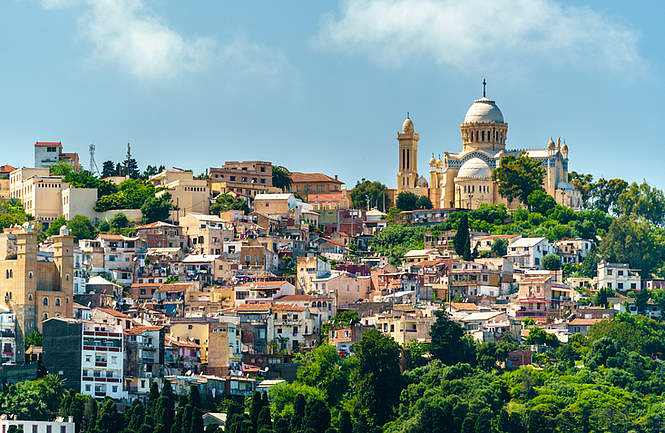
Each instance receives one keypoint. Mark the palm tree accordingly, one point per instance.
(281, 177)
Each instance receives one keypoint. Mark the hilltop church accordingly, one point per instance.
(464, 179)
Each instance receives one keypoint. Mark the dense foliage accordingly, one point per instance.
(370, 194)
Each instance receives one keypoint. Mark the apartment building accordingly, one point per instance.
(188, 195)
(263, 291)
(144, 357)
(529, 252)
(119, 252)
(35, 290)
(541, 297)
(572, 251)
(618, 276)
(7, 336)
(87, 354)
(244, 177)
(161, 235)
(314, 183)
(206, 234)
(5, 171)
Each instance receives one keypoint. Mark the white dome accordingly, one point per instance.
(483, 110)
(475, 167)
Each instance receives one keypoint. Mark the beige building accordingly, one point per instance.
(188, 195)
(242, 177)
(307, 184)
(464, 179)
(206, 234)
(5, 171)
(79, 201)
(344, 287)
(35, 290)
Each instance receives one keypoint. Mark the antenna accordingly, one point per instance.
(93, 165)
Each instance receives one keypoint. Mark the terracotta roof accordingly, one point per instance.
(251, 308)
(141, 329)
(6, 168)
(313, 177)
(287, 307)
(114, 313)
(535, 279)
(181, 342)
(174, 287)
(146, 285)
(261, 285)
(48, 143)
(584, 322)
(111, 236)
(154, 225)
(325, 196)
(464, 306)
(295, 298)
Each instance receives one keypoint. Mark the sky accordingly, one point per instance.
(325, 86)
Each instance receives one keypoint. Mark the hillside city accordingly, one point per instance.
(502, 293)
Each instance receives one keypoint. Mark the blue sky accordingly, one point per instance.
(324, 86)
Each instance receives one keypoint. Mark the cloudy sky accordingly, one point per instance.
(324, 86)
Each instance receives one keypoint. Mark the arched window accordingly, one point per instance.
(482, 135)
(45, 301)
(45, 316)
(57, 302)
(29, 297)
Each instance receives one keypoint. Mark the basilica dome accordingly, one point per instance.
(483, 110)
(475, 167)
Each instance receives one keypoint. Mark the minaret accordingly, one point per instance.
(407, 174)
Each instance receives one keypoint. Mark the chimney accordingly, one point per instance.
(336, 177)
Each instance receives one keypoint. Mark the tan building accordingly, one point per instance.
(244, 177)
(78, 201)
(35, 290)
(464, 179)
(206, 234)
(188, 195)
(307, 184)
(219, 340)
(5, 171)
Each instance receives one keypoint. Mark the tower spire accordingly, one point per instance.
(484, 85)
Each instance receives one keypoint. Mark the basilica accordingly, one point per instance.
(464, 179)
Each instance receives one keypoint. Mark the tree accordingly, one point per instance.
(499, 247)
(281, 177)
(325, 369)
(35, 399)
(108, 419)
(54, 228)
(34, 339)
(108, 169)
(538, 336)
(462, 240)
(12, 213)
(406, 201)
(368, 194)
(81, 228)
(643, 202)
(582, 183)
(552, 262)
(89, 415)
(448, 342)
(377, 380)
(119, 221)
(424, 203)
(157, 208)
(633, 242)
(151, 170)
(224, 202)
(317, 417)
(541, 202)
(606, 193)
(345, 425)
(518, 176)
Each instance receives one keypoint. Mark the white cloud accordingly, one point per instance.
(127, 34)
(473, 33)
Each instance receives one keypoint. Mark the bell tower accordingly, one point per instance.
(407, 173)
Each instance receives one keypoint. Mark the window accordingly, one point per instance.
(45, 301)
(57, 302)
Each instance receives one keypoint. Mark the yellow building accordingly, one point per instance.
(464, 179)
(35, 290)
(188, 195)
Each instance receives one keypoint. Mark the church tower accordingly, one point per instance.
(407, 174)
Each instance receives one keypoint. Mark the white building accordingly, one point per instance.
(529, 252)
(8, 335)
(618, 276)
(30, 426)
(102, 360)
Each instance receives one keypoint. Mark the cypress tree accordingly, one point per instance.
(109, 420)
(281, 425)
(255, 408)
(345, 425)
(264, 420)
(89, 415)
(196, 425)
(462, 241)
(317, 417)
(153, 396)
(298, 412)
